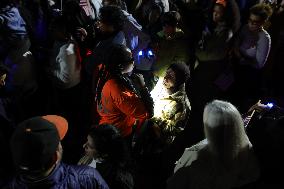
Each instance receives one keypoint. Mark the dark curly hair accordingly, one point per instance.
(112, 15)
(110, 145)
(171, 18)
(182, 73)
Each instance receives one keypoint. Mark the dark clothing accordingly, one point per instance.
(116, 177)
(63, 177)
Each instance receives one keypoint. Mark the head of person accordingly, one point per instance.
(176, 75)
(170, 21)
(104, 142)
(111, 19)
(155, 14)
(224, 130)
(120, 59)
(35, 145)
(259, 14)
(219, 11)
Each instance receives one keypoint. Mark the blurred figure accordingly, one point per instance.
(120, 100)
(37, 153)
(251, 50)
(172, 44)
(109, 25)
(171, 104)
(225, 159)
(106, 151)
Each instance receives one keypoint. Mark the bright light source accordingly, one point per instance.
(270, 105)
(159, 95)
(150, 53)
(140, 53)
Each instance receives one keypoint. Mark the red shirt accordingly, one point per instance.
(121, 107)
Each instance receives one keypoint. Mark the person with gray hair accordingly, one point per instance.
(225, 159)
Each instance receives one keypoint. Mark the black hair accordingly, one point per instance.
(112, 15)
(264, 11)
(182, 73)
(110, 145)
(171, 18)
(119, 56)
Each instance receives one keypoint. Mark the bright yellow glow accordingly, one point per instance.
(159, 95)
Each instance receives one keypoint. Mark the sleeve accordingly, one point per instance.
(262, 51)
(65, 69)
(90, 178)
(129, 103)
(143, 38)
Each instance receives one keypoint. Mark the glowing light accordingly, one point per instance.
(161, 102)
(270, 105)
(140, 53)
(150, 53)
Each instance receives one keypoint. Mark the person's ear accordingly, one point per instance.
(58, 154)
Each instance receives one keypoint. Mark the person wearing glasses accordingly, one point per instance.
(252, 48)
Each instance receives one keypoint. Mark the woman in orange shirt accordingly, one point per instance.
(119, 101)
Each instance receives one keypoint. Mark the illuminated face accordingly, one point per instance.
(2, 80)
(255, 23)
(89, 147)
(218, 13)
(169, 79)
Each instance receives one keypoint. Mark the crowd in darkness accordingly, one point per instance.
(141, 94)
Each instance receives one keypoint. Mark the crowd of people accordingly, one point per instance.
(153, 93)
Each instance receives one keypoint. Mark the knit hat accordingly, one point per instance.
(35, 141)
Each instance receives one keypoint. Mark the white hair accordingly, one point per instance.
(224, 130)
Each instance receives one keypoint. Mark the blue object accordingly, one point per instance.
(270, 105)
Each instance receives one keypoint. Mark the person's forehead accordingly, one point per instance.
(254, 17)
(170, 72)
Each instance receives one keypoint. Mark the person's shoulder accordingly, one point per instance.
(82, 170)
(113, 84)
(87, 175)
(264, 34)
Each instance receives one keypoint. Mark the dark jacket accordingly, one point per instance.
(63, 177)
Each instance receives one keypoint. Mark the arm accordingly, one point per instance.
(263, 49)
